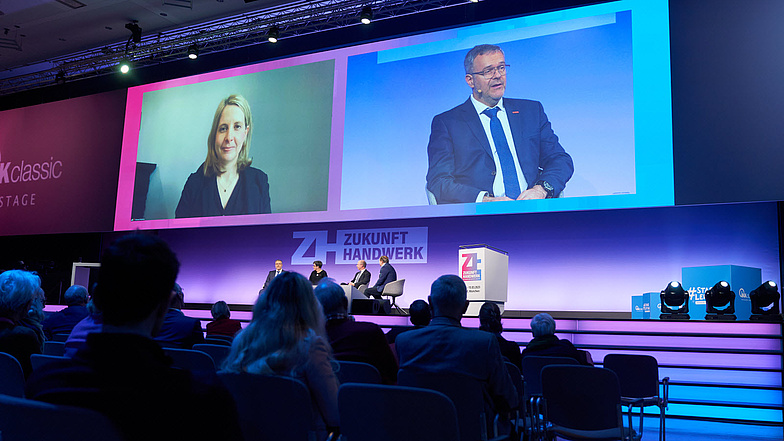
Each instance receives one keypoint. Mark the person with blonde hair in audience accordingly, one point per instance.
(222, 323)
(18, 290)
(286, 337)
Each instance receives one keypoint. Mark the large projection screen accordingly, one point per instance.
(343, 135)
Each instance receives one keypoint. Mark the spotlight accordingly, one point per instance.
(273, 34)
(720, 302)
(59, 78)
(765, 303)
(674, 302)
(136, 32)
(366, 16)
(193, 51)
(124, 66)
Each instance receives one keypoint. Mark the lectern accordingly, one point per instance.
(485, 271)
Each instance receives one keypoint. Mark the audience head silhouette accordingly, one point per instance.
(332, 297)
(448, 297)
(419, 313)
(135, 281)
(490, 318)
(178, 297)
(76, 295)
(543, 324)
(220, 310)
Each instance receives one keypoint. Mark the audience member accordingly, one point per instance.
(418, 314)
(179, 331)
(222, 323)
(286, 337)
(18, 289)
(77, 339)
(62, 322)
(444, 346)
(490, 321)
(35, 316)
(352, 340)
(318, 274)
(122, 372)
(545, 343)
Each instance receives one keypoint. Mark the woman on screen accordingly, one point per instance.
(225, 184)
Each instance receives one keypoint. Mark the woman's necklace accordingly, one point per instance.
(230, 185)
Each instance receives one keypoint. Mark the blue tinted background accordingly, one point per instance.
(583, 77)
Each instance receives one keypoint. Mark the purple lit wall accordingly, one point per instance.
(575, 261)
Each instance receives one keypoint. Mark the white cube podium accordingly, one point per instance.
(485, 271)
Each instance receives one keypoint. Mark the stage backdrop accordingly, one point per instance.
(576, 261)
(59, 164)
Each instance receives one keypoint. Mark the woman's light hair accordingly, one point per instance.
(286, 319)
(543, 324)
(18, 289)
(212, 163)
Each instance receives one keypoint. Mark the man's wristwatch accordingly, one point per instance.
(547, 187)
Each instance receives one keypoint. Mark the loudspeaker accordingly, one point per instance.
(370, 307)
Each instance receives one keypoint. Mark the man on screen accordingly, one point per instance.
(494, 149)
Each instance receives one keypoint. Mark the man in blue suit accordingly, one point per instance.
(385, 275)
(492, 148)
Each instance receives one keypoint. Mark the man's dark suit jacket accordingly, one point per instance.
(385, 275)
(444, 346)
(270, 276)
(179, 331)
(364, 280)
(62, 322)
(364, 342)
(461, 161)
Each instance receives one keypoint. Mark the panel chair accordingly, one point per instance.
(12, 380)
(63, 337)
(38, 360)
(640, 385)
(395, 290)
(466, 394)
(272, 407)
(583, 403)
(54, 347)
(215, 340)
(532, 377)
(217, 352)
(520, 423)
(190, 360)
(420, 414)
(357, 372)
(25, 420)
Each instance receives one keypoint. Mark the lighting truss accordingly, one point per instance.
(293, 20)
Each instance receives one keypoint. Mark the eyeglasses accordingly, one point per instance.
(490, 72)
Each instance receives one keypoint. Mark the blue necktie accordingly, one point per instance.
(511, 185)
